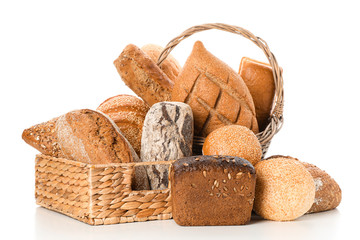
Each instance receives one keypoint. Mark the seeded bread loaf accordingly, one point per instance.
(170, 65)
(128, 112)
(212, 190)
(216, 93)
(259, 79)
(143, 76)
(43, 138)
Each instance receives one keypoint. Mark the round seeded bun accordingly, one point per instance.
(233, 140)
(284, 191)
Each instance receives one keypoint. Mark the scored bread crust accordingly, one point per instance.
(215, 92)
(140, 73)
(170, 65)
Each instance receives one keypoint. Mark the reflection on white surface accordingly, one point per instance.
(52, 225)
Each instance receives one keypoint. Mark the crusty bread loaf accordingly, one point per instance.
(43, 138)
(170, 65)
(327, 191)
(259, 79)
(167, 135)
(143, 76)
(89, 136)
(212, 190)
(86, 136)
(128, 112)
(285, 190)
(215, 92)
(233, 140)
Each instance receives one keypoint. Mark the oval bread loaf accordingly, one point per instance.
(128, 112)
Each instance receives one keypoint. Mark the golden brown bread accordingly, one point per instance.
(170, 65)
(143, 76)
(259, 79)
(43, 138)
(128, 112)
(215, 92)
(86, 136)
(212, 190)
(285, 190)
(233, 140)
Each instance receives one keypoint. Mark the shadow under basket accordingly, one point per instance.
(97, 194)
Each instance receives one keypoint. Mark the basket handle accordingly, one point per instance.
(276, 116)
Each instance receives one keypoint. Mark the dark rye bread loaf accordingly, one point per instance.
(212, 190)
(215, 92)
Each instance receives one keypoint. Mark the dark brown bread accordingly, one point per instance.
(143, 76)
(128, 112)
(212, 190)
(216, 93)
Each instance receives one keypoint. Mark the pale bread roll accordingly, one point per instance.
(284, 191)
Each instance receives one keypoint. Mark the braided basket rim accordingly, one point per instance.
(276, 115)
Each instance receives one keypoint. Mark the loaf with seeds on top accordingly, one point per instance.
(212, 190)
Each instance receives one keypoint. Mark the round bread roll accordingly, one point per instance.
(284, 190)
(128, 112)
(233, 140)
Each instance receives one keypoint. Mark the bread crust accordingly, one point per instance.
(170, 65)
(140, 73)
(327, 192)
(233, 140)
(128, 112)
(212, 190)
(259, 79)
(215, 92)
(285, 190)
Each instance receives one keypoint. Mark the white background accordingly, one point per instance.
(56, 56)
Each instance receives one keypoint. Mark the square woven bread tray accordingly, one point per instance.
(97, 194)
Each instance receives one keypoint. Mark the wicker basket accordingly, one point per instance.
(97, 194)
(102, 194)
(276, 116)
